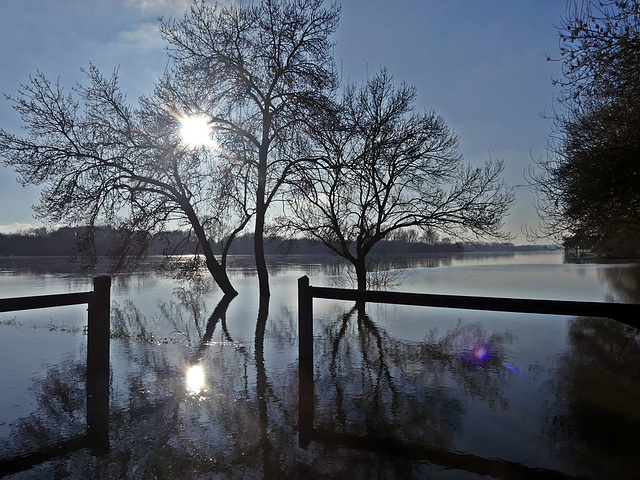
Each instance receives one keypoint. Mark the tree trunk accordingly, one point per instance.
(258, 250)
(261, 210)
(218, 272)
(361, 274)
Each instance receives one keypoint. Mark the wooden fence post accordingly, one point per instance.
(98, 366)
(305, 362)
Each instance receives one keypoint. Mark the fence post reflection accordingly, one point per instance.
(305, 362)
(98, 366)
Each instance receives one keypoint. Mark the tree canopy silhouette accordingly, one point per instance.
(254, 72)
(383, 168)
(257, 72)
(588, 186)
(260, 78)
(103, 162)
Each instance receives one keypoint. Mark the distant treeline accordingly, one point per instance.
(62, 242)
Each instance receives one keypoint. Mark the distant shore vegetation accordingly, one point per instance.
(63, 242)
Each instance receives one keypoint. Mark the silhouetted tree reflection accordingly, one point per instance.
(594, 416)
(382, 386)
(218, 316)
(180, 319)
(624, 280)
(60, 394)
(384, 272)
(243, 422)
(268, 466)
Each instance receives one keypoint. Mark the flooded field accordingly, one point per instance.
(202, 387)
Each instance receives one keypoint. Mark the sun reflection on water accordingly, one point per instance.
(195, 380)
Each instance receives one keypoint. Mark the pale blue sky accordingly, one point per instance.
(479, 63)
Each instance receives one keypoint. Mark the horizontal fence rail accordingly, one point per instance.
(98, 330)
(44, 301)
(626, 313)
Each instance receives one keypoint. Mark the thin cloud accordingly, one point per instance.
(176, 5)
(141, 38)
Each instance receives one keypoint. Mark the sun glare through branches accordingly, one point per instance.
(196, 132)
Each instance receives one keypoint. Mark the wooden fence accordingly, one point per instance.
(98, 330)
(626, 313)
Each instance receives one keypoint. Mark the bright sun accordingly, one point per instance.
(196, 132)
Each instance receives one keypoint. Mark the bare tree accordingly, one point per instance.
(383, 168)
(103, 162)
(257, 71)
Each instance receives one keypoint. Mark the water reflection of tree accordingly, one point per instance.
(383, 271)
(245, 424)
(59, 393)
(382, 386)
(594, 416)
(179, 319)
(157, 430)
(624, 281)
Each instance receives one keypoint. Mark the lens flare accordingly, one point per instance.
(477, 355)
(512, 368)
(481, 353)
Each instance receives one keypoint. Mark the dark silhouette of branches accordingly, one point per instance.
(102, 162)
(257, 72)
(599, 50)
(381, 168)
(588, 185)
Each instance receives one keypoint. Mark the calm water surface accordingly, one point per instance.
(401, 392)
